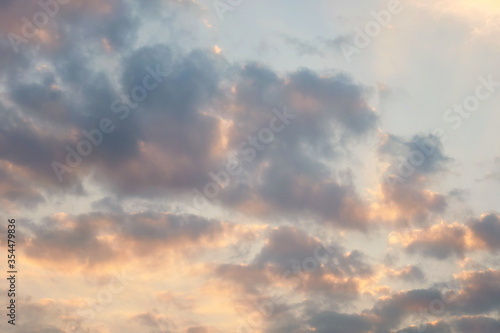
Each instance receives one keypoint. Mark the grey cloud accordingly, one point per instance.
(75, 239)
(197, 329)
(398, 149)
(443, 244)
(107, 204)
(332, 322)
(322, 107)
(249, 277)
(169, 229)
(439, 327)
(480, 293)
(181, 120)
(477, 324)
(391, 311)
(488, 230)
(287, 246)
(285, 252)
(17, 191)
(409, 274)
(413, 163)
(303, 47)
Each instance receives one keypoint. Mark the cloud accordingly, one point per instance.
(487, 229)
(286, 177)
(408, 274)
(439, 241)
(445, 240)
(15, 191)
(433, 161)
(187, 126)
(303, 47)
(92, 240)
(391, 311)
(152, 320)
(197, 329)
(29, 151)
(86, 64)
(291, 259)
(249, 277)
(412, 164)
(46, 315)
(332, 322)
(433, 327)
(477, 324)
(480, 293)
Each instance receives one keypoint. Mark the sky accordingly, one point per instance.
(182, 166)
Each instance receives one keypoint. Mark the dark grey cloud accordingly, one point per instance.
(430, 146)
(287, 246)
(286, 322)
(477, 324)
(488, 230)
(47, 87)
(332, 322)
(12, 64)
(169, 121)
(480, 293)
(289, 176)
(169, 229)
(168, 144)
(31, 149)
(41, 100)
(50, 240)
(6, 3)
(16, 191)
(391, 312)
